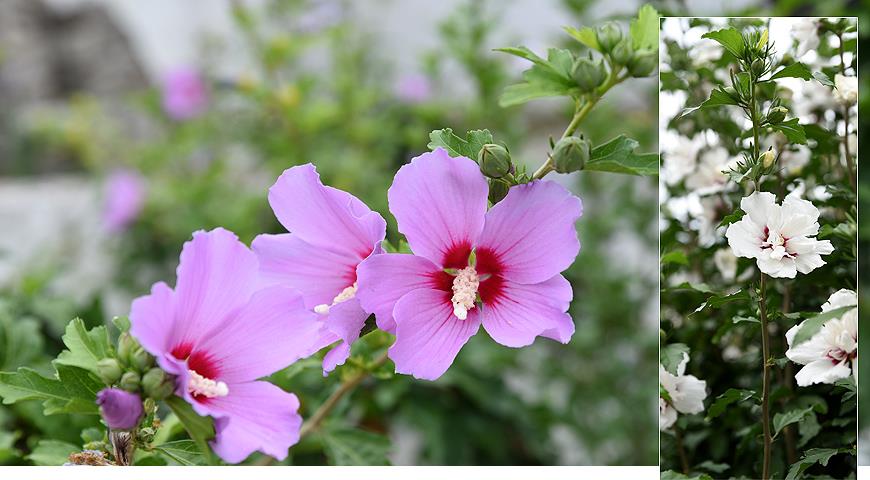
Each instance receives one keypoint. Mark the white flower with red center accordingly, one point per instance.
(831, 353)
(781, 238)
(684, 394)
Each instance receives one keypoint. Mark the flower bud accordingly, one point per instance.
(121, 410)
(767, 158)
(622, 53)
(157, 384)
(498, 189)
(643, 63)
(126, 345)
(140, 359)
(762, 42)
(130, 381)
(608, 36)
(109, 370)
(589, 74)
(758, 67)
(776, 115)
(494, 160)
(571, 154)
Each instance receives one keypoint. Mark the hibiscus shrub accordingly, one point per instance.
(758, 248)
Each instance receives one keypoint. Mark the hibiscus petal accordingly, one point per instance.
(428, 335)
(152, 319)
(822, 371)
(439, 203)
(777, 268)
(690, 394)
(523, 312)
(759, 207)
(257, 416)
(745, 238)
(216, 276)
(324, 216)
(318, 273)
(384, 279)
(272, 331)
(345, 320)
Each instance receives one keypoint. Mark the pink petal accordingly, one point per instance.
(439, 203)
(323, 216)
(524, 312)
(345, 320)
(320, 274)
(256, 416)
(384, 279)
(152, 319)
(531, 232)
(272, 331)
(216, 276)
(428, 335)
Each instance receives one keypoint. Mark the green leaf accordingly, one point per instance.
(585, 35)
(346, 446)
(183, 452)
(792, 130)
(523, 92)
(731, 218)
(618, 156)
(717, 301)
(825, 80)
(728, 38)
(812, 325)
(810, 458)
(644, 29)
(781, 420)
(795, 70)
(713, 467)
(671, 355)
(524, 52)
(545, 78)
(200, 429)
(561, 60)
(460, 147)
(675, 256)
(717, 98)
(74, 391)
(697, 287)
(121, 323)
(808, 428)
(738, 319)
(20, 340)
(672, 475)
(731, 396)
(84, 347)
(52, 453)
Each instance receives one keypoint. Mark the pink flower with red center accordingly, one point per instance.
(218, 334)
(331, 233)
(500, 268)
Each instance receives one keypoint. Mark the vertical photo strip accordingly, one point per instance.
(758, 227)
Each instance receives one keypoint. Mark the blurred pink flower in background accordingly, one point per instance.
(185, 94)
(124, 198)
(414, 88)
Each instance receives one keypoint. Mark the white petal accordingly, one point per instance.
(759, 207)
(667, 415)
(822, 371)
(840, 298)
(690, 396)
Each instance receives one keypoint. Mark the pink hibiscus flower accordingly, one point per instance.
(332, 232)
(218, 335)
(470, 266)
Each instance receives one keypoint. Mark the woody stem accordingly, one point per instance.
(765, 386)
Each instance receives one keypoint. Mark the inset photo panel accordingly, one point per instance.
(759, 317)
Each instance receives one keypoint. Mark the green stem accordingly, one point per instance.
(765, 386)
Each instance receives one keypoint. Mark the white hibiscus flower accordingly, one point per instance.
(781, 238)
(846, 89)
(806, 32)
(686, 394)
(831, 353)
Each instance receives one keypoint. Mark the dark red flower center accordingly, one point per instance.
(198, 361)
(487, 265)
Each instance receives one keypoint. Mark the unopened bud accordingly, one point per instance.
(777, 115)
(571, 154)
(622, 53)
(608, 36)
(762, 41)
(130, 381)
(109, 370)
(140, 359)
(121, 410)
(494, 160)
(157, 384)
(126, 345)
(643, 63)
(498, 189)
(758, 67)
(767, 158)
(589, 74)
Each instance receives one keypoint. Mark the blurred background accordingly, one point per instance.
(125, 126)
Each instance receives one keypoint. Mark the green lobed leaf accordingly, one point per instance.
(73, 391)
(781, 420)
(792, 130)
(671, 355)
(347, 446)
(183, 452)
(717, 98)
(618, 156)
(523, 52)
(84, 347)
(460, 147)
(795, 70)
(20, 340)
(584, 35)
(52, 453)
(810, 458)
(644, 29)
(675, 256)
(728, 38)
(200, 429)
(812, 325)
(731, 396)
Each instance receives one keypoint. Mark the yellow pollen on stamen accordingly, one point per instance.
(465, 285)
(206, 387)
(344, 295)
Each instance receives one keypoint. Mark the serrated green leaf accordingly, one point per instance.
(671, 355)
(731, 218)
(717, 98)
(347, 446)
(739, 319)
(74, 391)
(728, 38)
(792, 130)
(52, 453)
(810, 458)
(731, 396)
(812, 325)
(644, 29)
(584, 35)
(183, 452)
(200, 429)
(523, 52)
(825, 80)
(782, 420)
(795, 70)
(618, 156)
(84, 347)
(460, 147)
(561, 60)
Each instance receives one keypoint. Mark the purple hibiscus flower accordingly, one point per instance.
(124, 197)
(470, 266)
(332, 232)
(185, 94)
(219, 334)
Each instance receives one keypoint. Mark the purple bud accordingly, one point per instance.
(120, 409)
